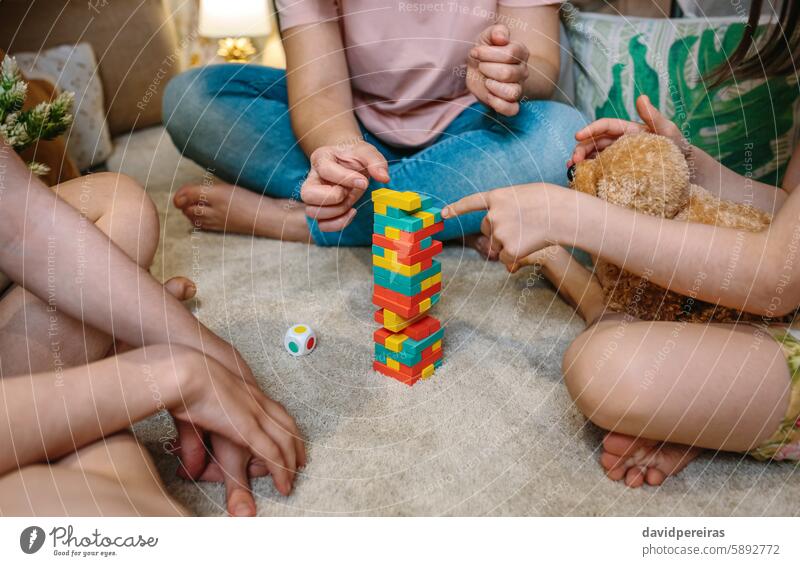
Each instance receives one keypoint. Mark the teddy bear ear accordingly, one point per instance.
(571, 172)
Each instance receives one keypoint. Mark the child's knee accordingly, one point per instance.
(601, 372)
(124, 212)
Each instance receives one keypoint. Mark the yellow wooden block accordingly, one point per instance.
(390, 255)
(407, 270)
(431, 281)
(404, 200)
(425, 304)
(428, 371)
(393, 364)
(395, 343)
(436, 345)
(394, 322)
(427, 218)
(380, 209)
(392, 233)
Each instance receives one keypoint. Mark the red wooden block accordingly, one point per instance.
(403, 305)
(419, 235)
(389, 372)
(415, 257)
(407, 254)
(403, 248)
(423, 328)
(417, 331)
(416, 369)
(381, 335)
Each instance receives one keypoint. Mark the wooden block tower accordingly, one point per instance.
(408, 282)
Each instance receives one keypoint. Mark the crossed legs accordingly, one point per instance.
(665, 390)
(115, 475)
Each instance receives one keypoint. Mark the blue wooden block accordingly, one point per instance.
(404, 284)
(407, 224)
(413, 347)
(409, 357)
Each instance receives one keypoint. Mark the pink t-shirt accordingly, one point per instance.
(407, 60)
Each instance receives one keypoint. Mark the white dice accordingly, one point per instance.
(300, 340)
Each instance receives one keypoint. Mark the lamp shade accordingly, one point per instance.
(234, 18)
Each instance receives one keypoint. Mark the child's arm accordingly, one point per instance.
(755, 272)
(706, 171)
(60, 258)
(51, 415)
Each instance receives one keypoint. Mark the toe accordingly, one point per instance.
(181, 288)
(655, 476)
(625, 446)
(634, 477)
(188, 195)
(200, 215)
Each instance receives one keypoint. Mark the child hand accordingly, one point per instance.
(598, 135)
(496, 70)
(518, 219)
(338, 177)
(241, 418)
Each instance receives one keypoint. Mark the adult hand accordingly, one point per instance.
(518, 219)
(598, 135)
(245, 425)
(497, 69)
(338, 177)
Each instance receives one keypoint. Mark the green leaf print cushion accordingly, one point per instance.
(752, 127)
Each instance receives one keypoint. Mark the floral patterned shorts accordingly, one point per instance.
(785, 443)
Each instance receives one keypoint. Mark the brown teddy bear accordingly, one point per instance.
(649, 174)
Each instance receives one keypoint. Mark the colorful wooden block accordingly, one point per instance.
(410, 223)
(412, 370)
(397, 286)
(402, 269)
(408, 201)
(409, 237)
(403, 310)
(385, 370)
(402, 248)
(401, 342)
(392, 321)
(386, 210)
(383, 354)
(407, 280)
(408, 258)
(396, 322)
(401, 299)
(423, 328)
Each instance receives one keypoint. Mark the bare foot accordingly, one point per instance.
(481, 243)
(228, 208)
(573, 282)
(638, 461)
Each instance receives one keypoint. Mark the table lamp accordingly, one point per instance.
(234, 23)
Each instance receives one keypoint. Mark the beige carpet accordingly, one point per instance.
(493, 433)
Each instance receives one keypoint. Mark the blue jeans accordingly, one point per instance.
(234, 120)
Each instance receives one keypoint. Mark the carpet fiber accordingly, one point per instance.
(494, 432)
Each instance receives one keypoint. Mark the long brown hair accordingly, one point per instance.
(777, 54)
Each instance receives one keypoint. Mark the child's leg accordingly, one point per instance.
(36, 337)
(573, 282)
(112, 477)
(234, 120)
(677, 385)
